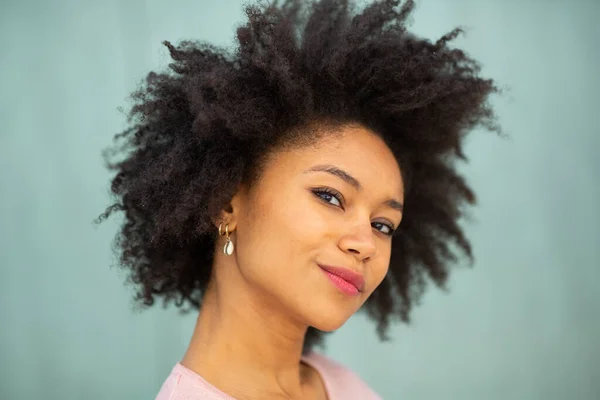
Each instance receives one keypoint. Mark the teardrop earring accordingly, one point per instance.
(228, 247)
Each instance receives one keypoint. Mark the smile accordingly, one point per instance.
(347, 281)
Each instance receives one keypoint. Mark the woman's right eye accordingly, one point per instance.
(329, 196)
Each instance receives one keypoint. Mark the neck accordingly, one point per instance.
(246, 347)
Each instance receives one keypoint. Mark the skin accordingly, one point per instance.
(261, 300)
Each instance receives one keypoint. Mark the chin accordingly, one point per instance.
(328, 327)
(329, 322)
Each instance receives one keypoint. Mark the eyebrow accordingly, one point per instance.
(352, 181)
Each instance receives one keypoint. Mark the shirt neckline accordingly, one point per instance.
(310, 359)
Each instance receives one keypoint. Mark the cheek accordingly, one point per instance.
(380, 269)
(381, 273)
(307, 225)
(281, 235)
(306, 222)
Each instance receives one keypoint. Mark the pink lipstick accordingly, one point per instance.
(349, 282)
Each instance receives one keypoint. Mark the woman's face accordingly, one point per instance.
(312, 235)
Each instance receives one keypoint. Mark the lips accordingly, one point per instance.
(348, 275)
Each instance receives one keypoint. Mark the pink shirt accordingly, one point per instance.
(340, 383)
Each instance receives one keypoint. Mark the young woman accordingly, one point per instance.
(281, 187)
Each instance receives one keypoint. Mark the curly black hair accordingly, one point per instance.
(203, 127)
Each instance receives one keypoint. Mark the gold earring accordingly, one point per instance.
(228, 247)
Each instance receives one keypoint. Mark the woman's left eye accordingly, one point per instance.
(383, 228)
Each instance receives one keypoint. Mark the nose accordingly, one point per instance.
(359, 242)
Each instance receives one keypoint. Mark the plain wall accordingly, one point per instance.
(523, 323)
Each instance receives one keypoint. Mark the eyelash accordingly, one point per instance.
(338, 196)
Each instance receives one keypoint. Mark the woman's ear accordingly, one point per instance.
(230, 213)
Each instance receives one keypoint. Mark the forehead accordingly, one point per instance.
(353, 148)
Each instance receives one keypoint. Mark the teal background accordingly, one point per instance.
(522, 324)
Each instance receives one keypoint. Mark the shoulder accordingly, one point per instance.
(340, 380)
(184, 384)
